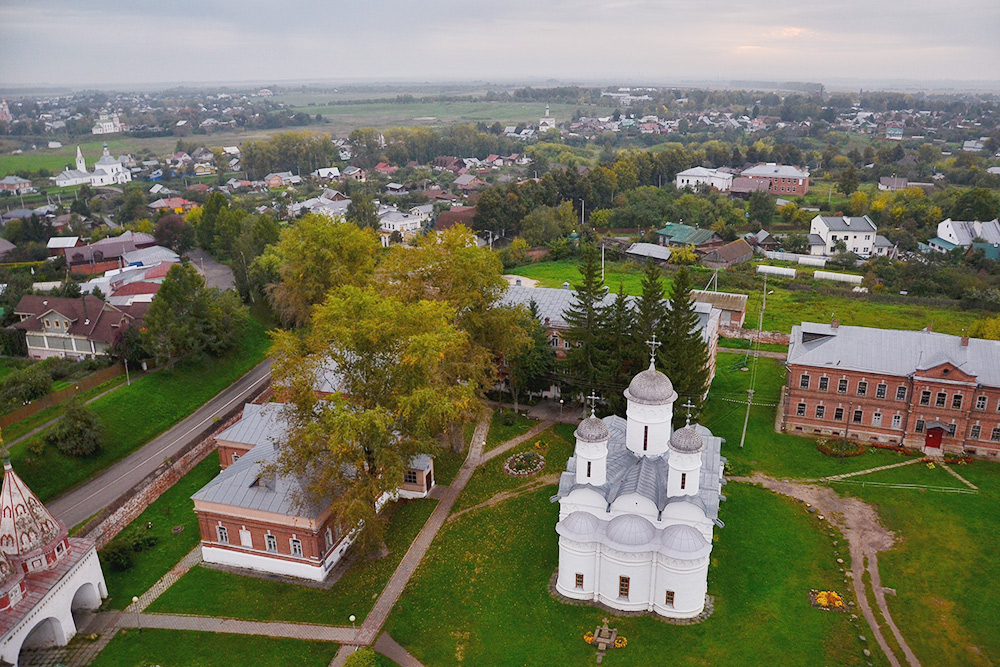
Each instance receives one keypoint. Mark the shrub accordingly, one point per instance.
(78, 433)
(119, 555)
(24, 385)
(363, 657)
(840, 448)
(507, 417)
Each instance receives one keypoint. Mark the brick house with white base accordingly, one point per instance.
(919, 389)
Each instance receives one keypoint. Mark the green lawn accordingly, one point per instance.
(250, 598)
(470, 605)
(944, 565)
(785, 307)
(15, 431)
(490, 478)
(133, 415)
(743, 344)
(446, 465)
(173, 508)
(180, 648)
(500, 433)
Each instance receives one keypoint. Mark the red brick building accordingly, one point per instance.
(919, 389)
(782, 179)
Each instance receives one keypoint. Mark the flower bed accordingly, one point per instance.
(524, 464)
(894, 448)
(840, 448)
(827, 600)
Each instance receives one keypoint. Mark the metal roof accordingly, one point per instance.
(259, 425)
(848, 224)
(892, 351)
(649, 250)
(685, 234)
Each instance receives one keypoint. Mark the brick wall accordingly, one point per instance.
(106, 526)
(775, 337)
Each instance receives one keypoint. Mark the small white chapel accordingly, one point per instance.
(638, 505)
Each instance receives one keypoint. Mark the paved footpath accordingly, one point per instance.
(86, 500)
(322, 633)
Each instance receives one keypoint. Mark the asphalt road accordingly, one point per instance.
(84, 501)
(216, 274)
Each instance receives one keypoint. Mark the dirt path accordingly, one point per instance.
(860, 525)
(527, 487)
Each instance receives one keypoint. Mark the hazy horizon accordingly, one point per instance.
(844, 44)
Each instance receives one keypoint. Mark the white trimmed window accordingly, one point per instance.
(329, 538)
(296, 546)
(820, 411)
(824, 383)
(669, 601)
(940, 400)
(897, 421)
(900, 393)
(862, 388)
(919, 426)
(804, 381)
(579, 580)
(980, 402)
(246, 539)
(925, 397)
(877, 419)
(956, 402)
(271, 544)
(842, 386)
(223, 534)
(800, 410)
(995, 435)
(975, 431)
(880, 390)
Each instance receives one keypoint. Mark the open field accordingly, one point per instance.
(180, 648)
(250, 598)
(785, 307)
(470, 604)
(173, 508)
(133, 415)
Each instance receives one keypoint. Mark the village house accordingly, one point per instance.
(953, 234)
(81, 328)
(781, 178)
(355, 174)
(713, 178)
(677, 235)
(731, 254)
(15, 185)
(929, 391)
(892, 183)
(172, 204)
(469, 182)
(857, 234)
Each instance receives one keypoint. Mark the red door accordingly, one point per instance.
(933, 437)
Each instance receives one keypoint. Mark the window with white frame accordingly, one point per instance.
(271, 544)
(842, 386)
(901, 393)
(858, 416)
(820, 411)
(824, 383)
(246, 539)
(975, 431)
(800, 410)
(980, 402)
(897, 421)
(995, 435)
(940, 400)
(877, 419)
(880, 390)
(838, 414)
(862, 388)
(296, 546)
(223, 534)
(329, 538)
(804, 381)
(956, 402)
(919, 426)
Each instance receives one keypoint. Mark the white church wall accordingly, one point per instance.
(576, 558)
(633, 503)
(688, 580)
(585, 500)
(657, 418)
(616, 564)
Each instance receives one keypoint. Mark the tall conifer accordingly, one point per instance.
(684, 355)
(585, 317)
(649, 312)
(615, 352)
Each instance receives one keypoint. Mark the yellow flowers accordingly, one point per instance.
(829, 600)
(588, 637)
(620, 642)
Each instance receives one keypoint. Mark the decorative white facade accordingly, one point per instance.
(45, 576)
(107, 171)
(638, 505)
(108, 124)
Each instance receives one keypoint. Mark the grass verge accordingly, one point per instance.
(182, 648)
(501, 432)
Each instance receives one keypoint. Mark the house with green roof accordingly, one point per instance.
(675, 234)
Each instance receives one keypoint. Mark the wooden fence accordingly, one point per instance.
(61, 396)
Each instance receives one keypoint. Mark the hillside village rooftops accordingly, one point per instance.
(892, 351)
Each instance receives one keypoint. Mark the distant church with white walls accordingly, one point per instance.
(638, 505)
(108, 170)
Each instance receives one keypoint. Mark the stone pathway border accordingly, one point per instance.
(232, 626)
(959, 477)
(864, 472)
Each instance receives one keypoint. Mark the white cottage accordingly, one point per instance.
(638, 505)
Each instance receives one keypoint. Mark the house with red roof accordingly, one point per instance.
(386, 169)
(81, 328)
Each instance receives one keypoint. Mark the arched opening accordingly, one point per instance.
(85, 601)
(48, 633)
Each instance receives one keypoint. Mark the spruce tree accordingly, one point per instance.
(684, 355)
(615, 352)
(585, 317)
(649, 312)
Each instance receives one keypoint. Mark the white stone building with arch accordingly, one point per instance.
(46, 577)
(638, 506)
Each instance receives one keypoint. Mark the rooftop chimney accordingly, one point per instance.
(965, 341)
(835, 324)
(518, 282)
(566, 285)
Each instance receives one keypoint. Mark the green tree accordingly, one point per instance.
(761, 208)
(186, 319)
(174, 232)
(795, 242)
(649, 312)
(312, 257)
(615, 360)
(988, 328)
(79, 432)
(531, 370)
(684, 355)
(849, 179)
(547, 223)
(585, 319)
(408, 371)
(361, 211)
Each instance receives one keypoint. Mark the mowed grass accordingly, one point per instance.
(251, 598)
(181, 648)
(133, 415)
(944, 565)
(500, 432)
(383, 114)
(480, 597)
(785, 307)
(557, 445)
(173, 508)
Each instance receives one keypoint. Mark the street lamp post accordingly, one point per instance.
(561, 401)
(135, 600)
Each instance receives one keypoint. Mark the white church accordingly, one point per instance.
(108, 170)
(638, 505)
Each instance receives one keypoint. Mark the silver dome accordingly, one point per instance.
(684, 542)
(581, 524)
(686, 440)
(651, 387)
(630, 530)
(592, 429)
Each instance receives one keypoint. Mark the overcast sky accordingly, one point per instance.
(79, 42)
